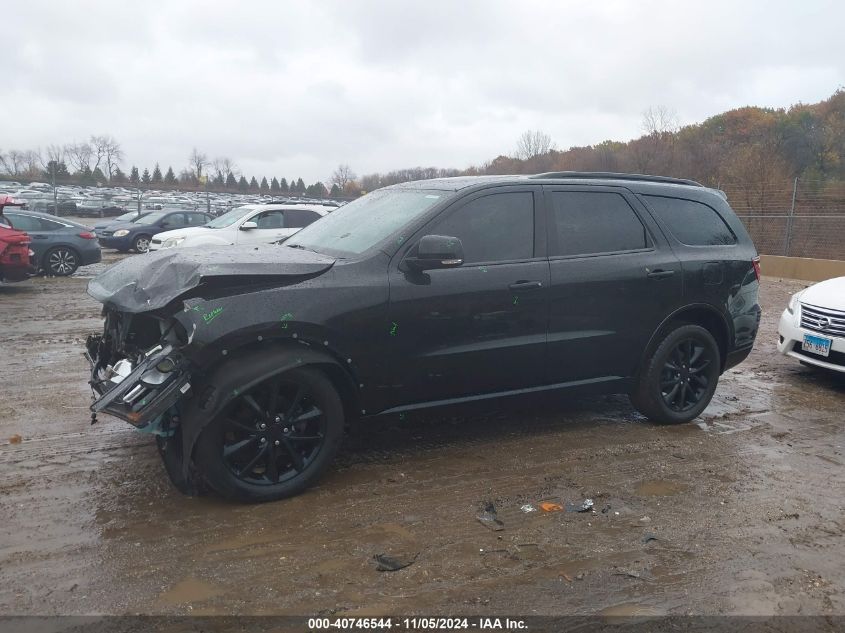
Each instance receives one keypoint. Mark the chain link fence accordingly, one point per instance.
(798, 218)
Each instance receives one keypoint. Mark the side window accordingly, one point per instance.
(298, 218)
(498, 227)
(196, 219)
(592, 222)
(692, 223)
(24, 222)
(174, 220)
(270, 220)
(49, 225)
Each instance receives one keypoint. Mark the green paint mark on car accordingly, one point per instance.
(393, 328)
(210, 316)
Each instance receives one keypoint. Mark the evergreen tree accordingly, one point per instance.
(274, 185)
(253, 185)
(60, 169)
(283, 186)
(243, 185)
(300, 186)
(231, 182)
(335, 192)
(145, 177)
(218, 182)
(170, 177)
(265, 188)
(157, 177)
(118, 177)
(134, 176)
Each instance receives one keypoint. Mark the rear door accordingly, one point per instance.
(479, 328)
(38, 230)
(614, 278)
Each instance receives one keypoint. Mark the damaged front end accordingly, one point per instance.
(138, 372)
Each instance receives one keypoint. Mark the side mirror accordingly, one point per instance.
(248, 226)
(437, 251)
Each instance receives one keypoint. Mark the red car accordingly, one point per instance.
(16, 258)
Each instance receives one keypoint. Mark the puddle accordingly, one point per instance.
(660, 488)
(188, 591)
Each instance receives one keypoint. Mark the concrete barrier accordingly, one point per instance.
(801, 267)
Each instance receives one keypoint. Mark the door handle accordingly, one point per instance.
(659, 273)
(526, 285)
(39, 237)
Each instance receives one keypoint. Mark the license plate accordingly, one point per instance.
(816, 345)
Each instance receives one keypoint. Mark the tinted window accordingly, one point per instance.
(196, 219)
(297, 218)
(270, 220)
(498, 227)
(589, 222)
(24, 222)
(692, 223)
(174, 220)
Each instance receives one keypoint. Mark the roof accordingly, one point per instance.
(461, 182)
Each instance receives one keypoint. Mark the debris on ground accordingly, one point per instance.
(606, 509)
(489, 518)
(566, 576)
(649, 537)
(630, 573)
(15, 439)
(527, 508)
(585, 506)
(548, 506)
(385, 562)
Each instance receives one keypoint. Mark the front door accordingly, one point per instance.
(271, 227)
(479, 328)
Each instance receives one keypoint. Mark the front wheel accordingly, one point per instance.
(141, 244)
(677, 381)
(273, 440)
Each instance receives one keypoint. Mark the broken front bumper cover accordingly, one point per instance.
(154, 385)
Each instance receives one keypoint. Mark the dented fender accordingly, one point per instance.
(239, 374)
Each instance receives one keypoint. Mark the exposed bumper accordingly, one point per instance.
(792, 336)
(142, 395)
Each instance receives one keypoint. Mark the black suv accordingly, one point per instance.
(247, 363)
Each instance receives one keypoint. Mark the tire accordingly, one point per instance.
(306, 420)
(141, 243)
(678, 379)
(60, 261)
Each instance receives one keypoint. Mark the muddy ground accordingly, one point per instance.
(740, 513)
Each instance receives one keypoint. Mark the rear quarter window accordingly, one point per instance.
(692, 223)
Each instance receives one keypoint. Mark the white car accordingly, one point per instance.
(812, 328)
(250, 224)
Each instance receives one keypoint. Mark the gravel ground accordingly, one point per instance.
(739, 513)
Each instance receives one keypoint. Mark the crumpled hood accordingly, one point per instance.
(826, 294)
(147, 282)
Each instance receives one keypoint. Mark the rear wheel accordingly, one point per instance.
(141, 244)
(274, 440)
(61, 261)
(677, 381)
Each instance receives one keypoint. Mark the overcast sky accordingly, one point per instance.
(292, 89)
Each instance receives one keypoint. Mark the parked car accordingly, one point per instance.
(248, 363)
(250, 224)
(60, 246)
(16, 256)
(136, 235)
(812, 328)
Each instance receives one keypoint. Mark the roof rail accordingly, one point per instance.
(590, 175)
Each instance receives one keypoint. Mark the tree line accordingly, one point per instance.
(97, 162)
(751, 152)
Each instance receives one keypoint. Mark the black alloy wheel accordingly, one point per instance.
(684, 379)
(275, 439)
(678, 378)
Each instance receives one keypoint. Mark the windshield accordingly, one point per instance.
(229, 218)
(363, 223)
(128, 217)
(149, 218)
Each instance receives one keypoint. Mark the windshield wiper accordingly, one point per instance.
(299, 246)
